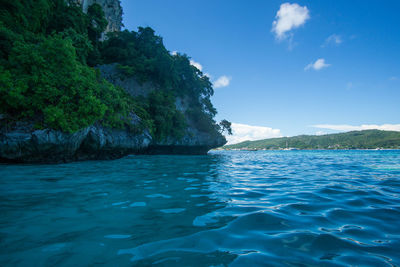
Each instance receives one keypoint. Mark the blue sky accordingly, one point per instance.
(288, 68)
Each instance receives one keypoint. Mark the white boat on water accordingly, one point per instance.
(289, 148)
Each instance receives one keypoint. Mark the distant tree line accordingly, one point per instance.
(367, 139)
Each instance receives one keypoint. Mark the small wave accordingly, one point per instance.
(138, 204)
(176, 210)
(117, 236)
(158, 195)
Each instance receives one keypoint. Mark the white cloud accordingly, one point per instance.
(393, 78)
(289, 17)
(174, 53)
(346, 127)
(320, 133)
(222, 81)
(196, 64)
(317, 65)
(244, 132)
(333, 39)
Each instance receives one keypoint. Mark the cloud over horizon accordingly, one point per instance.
(222, 81)
(289, 17)
(244, 132)
(346, 127)
(317, 65)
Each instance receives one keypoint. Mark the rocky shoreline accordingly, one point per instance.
(22, 144)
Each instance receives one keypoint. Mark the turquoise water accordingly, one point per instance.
(330, 208)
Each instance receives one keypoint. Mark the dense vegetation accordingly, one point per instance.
(368, 139)
(143, 55)
(48, 51)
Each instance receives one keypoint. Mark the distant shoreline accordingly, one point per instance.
(309, 149)
(355, 140)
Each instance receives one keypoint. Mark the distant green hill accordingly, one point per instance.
(368, 139)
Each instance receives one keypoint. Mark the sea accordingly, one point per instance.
(227, 208)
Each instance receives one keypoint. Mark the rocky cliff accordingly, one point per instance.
(112, 11)
(23, 142)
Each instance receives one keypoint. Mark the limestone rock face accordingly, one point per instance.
(130, 84)
(194, 142)
(112, 10)
(23, 144)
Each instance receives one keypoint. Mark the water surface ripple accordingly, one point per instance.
(236, 208)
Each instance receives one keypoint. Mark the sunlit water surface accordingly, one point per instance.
(327, 208)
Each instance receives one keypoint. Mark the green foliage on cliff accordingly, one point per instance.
(142, 54)
(368, 139)
(37, 87)
(48, 49)
(169, 121)
(44, 76)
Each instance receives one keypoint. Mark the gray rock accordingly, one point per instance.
(112, 11)
(194, 142)
(22, 144)
(111, 73)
